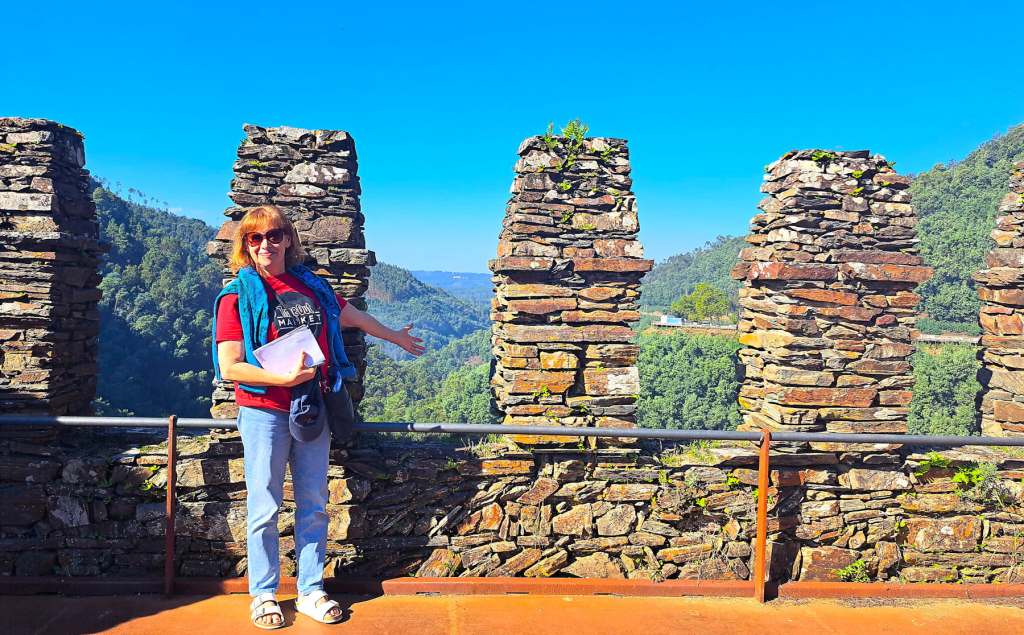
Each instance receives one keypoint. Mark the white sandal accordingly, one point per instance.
(257, 611)
(307, 605)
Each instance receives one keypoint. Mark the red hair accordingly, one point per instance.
(261, 219)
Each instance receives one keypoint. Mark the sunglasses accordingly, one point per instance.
(273, 236)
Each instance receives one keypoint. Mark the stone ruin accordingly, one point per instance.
(312, 175)
(566, 288)
(49, 270)
(828, 297)
(1001, 291)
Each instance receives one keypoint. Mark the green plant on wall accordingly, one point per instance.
(572, 138)
(856, 571)
(575, 133)
(981, 482)
(933, 460)
(823, 156)
(549, 138)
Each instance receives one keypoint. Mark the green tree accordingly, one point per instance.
(705, 302)
(683, 307)
(681, 273)
(465, 396)
(688, 381)
(945, 389)
(449, 384)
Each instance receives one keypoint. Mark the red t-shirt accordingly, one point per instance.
(292, 304)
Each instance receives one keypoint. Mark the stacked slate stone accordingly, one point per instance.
(828, 298)
(566, 286)
(312, 176)
(1001, 289)
(49, 270)
(96, 509)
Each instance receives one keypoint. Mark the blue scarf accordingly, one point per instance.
(254, 312)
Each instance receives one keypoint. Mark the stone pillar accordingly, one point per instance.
(1001, 290)
(828, 297)
(313, 176)
(566, 285)
(49, 270)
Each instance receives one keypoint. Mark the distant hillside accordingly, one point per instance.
(449, 384)
(397, 298)
(158, 287)
(679, 274)
(957, 205)
(474, 288)
(158, 290)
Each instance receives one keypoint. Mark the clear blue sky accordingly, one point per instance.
(439, 95)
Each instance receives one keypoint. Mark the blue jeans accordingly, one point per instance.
(268, 447)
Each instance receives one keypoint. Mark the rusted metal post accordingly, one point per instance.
(172, 455)
(761, 548)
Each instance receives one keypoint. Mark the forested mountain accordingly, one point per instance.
(449, 384)
(158, 290)
(159, 286)
(397, 298)
(680, 274)
(956, 203)
(957, 206)
(475, 288)
(688, 381)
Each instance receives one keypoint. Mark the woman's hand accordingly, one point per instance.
(409, 343)
(352, 317)
(234, 368)
(300, 374)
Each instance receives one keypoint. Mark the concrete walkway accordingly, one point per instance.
(494, 615)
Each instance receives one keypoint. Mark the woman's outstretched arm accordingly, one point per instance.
(352, 317)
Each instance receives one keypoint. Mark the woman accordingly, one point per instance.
(272, 294)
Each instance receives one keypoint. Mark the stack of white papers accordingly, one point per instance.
(279, 356)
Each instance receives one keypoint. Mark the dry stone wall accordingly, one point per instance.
(49, 270)
(93, 505)
(1001, 290)
(828, 302)
(566, 286)
(312, 175)
(902, 516)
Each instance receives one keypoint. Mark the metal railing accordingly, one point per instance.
(553, 430)
(764, 438)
